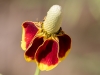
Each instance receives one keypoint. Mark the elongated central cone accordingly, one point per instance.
(53, 20)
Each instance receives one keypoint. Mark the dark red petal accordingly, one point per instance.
(64, 45)
(29, 31)
(47, 55)
(29, 54)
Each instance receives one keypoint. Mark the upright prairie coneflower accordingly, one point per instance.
(45, 42)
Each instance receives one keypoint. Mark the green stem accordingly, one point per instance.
(37, 72)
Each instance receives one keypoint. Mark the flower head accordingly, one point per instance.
(44, 42)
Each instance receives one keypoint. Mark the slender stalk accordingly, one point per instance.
(37, 72)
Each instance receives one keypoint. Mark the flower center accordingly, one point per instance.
(53, 20)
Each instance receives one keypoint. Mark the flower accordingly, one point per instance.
(44, 42)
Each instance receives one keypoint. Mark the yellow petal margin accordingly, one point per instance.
(43, 67)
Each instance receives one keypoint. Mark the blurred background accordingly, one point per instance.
(81, 21)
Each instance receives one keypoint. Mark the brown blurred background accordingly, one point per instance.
(81, 20)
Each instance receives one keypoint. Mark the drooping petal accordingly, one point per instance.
(64, 45)
(29, 31)
(47, 55)
(29, 54)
